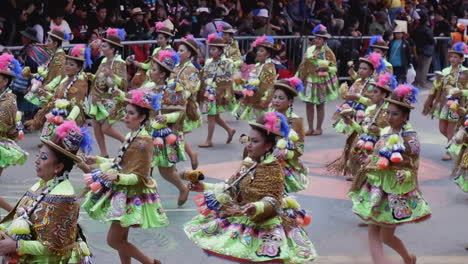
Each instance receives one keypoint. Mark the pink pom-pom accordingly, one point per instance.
(159, 25)
(270, 121)
(58, 120)
(385, 79)
(466, 123)
(77, 50)
(20, 135)
(63, 129)
(88, 178)
(396, 157)
(402, 90)
(383, 162)
(137, 96)
(210, 38)
(259, 40)
(5, 60)
(163, 54)
(158, 142)
(50, 118)
(375, 59)
(171, 139)
(360, 114)
(95, 187)
(450, 102)
(294, 81)
(220, 28)
(190, 36)
(112, 31)
(345, 106)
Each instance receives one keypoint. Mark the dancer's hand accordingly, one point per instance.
(281, 155)
(7, 244)
(161, 119)
(109, 177)
(374, 129)
(196, 187)
(90, 160)
(249, 209)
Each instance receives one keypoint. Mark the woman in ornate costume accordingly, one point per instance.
(318, 73)
(357, 97)
(69, 95)
(167, 125)
(460, 170)
(366, 131)
(51, 73)
(385, 192)
(258, 91)
(216, 94)
(10, 153)
(447, 95)
(187, 76)
(110, 78)
(289, 150)
(121, 190)
(163, 37)
(248, 219)
(232, 51)
(43, 227)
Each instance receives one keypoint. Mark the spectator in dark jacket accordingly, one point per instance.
(441, 29)
(399, 54)
(424, 40)
(98, 21)
(79, 24)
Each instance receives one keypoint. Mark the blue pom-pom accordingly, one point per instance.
(270, 39)
(385, 152)
(66, 36)
(393, 83)
(87, 143)
(219, 34)
(87, 55)
(121, 33)
(374, 39)
(382, 67)
(176, 58)
(156, 101)
(211, 201)
(17, 69)
(317, 28)
(284, 124)
(459, 46)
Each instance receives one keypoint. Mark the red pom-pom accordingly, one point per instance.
(369, 145)
(171, 139)
(466, 123)
(20, 135)
(307, 220)
(158, 142)
(95, 187)
(383, 162)
(360, 114)
(88, 178)
(50, 118)
(204, 210)
(199, 200)
(396, 157)
(58, 120)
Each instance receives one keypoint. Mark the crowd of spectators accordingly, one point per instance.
(87, 20)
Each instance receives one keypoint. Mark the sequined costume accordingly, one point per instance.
(269, 236)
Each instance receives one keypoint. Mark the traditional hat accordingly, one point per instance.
(137, 11)
(115, 36)
(264, 41)
(29, 33)
(225, 28)
(163, 29)
(68, 138)
(375, 61)
(10, 66)
(193, 44)
(404, 95)
(272, 122)
(387, 82)
(145, 98)
(167, 59)
(459, 48)
(59, 34)
(378, 42)
(321, 31)
(81, 53)
(294, 85)
(215, 40)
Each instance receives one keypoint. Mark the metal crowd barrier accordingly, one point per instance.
(346, 48)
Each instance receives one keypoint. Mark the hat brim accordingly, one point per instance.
(162, 65)
(55, 36)
(399, 103)
(266, 46)
(232, 31)
(327, 36)
(165, 33)
(74, 58)
(56, 147)
(379, 47)
(217, 44)
(28, 36)
(197, 51)
(286, 87)
(262, 127)
(8, 73)
(113, 42)
(386, 88)
(367, 61)
(456, 52)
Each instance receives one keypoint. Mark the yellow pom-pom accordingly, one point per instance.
(19, 115)
(281, 144)
(84, 249)
(323, 62)
(293, 135)
(255, 82)
(223, 198)
(61, 103)
(393, 139)
(454, 106)
(26, 72)
(291, 203)
(19, 226)
(179, 88)
(157, 125)
(40, 70)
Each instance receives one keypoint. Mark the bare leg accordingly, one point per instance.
(5, 205)
(211, 128)
(443, 127)
(375, 244)
(192, 155)
(226, 127)
(117, 239)
(310, 112)
(450, 129)
(170, 174)
(387, 235)
(100, 139)
(112, 132)
(320, 118)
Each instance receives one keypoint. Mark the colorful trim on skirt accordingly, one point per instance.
(319, 90)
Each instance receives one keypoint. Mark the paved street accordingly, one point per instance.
(334, 230)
